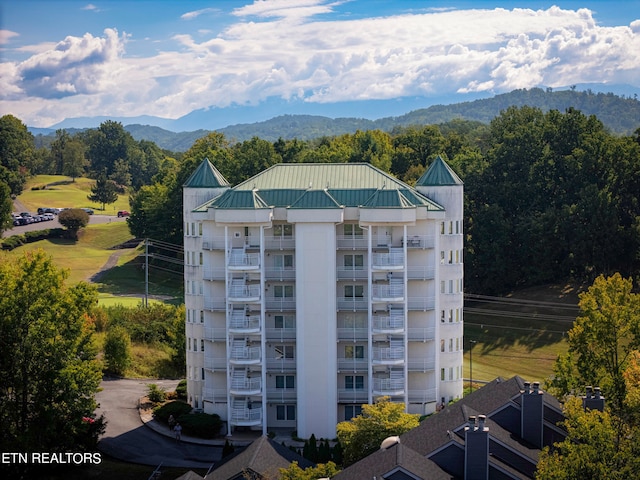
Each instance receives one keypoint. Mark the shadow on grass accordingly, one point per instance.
(130, 279)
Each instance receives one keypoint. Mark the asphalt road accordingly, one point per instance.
(93, 219)
(128, 439)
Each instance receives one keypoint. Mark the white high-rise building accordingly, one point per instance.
(311, 289)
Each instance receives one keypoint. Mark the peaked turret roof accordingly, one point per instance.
(206, 176)
(439, 173)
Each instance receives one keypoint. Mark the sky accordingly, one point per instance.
(74, 58)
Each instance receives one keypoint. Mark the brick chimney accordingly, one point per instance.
(476, 449)
(593, 400)
(532, 414)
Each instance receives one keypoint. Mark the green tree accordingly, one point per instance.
(17, 150)
(598, 445)
(104, 191)
(117, 350)
(363, 434)
(322, 470)
(73, 160)
(106, 145)
(48, 371)
(6, 207)
(73, 219)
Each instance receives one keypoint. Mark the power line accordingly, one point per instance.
(517, 301)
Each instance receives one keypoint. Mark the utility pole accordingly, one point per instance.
(471, 344)
(146, 272)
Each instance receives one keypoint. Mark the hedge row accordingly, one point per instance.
(16, 241)
(201, 425)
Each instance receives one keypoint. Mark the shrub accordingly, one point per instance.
(201, 425)
(176, 409)
(73, 219)
(117, 350)
(156, 394)
(181, 390)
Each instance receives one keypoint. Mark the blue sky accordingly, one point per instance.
(64, 59)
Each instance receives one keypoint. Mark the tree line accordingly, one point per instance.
(548, 196)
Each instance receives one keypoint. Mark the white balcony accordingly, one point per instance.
(245, 355)
(281, 364)
(421, 365)
(393, 292)
(420, 241)
(353, 395)
(351, 273)
(388, 323)
(352, 364)
(213, 274)
(389, 386)
(215, 364)
(245, 386)
(281, 395)
(213, 243)
(352, 303)
(393, 260)
(246, 417)
(244, 293)
(241, 323)
(352, 334)
(280, 304)
(388, 355)
(215, 334)
(351, 242)
(420, 272)
(215, 304)
(214, 395)
(423, 304)
(279, 243)
(281, 334)
(422, 396)
(279, 273)
(241, 261)
(426, 334)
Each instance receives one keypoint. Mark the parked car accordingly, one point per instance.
(123, 213)
(88, 210)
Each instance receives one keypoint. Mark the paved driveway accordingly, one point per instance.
(128, 439)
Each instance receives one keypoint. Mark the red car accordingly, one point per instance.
(123, 213)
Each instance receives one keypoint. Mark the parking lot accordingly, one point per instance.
(93, 219)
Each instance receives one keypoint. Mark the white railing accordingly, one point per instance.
(421, 334)
(420, 241)
(280, 304)
(215, 363)
(240, 415)
(281, 334)
(393, 259)
(388, 354)
(248, 354)
(352, 334)
(213, 243)
(217, 304)
(421, 365)
(352, 242)
(388, 291)
(418, 272)
(215, 394)
(213, 274)
(244, 260)
(243, 322)
(421, 303)
(422, 396)
(353, 364)
(353, 395)
(215, 334)
(351, 273)
(244, 291)
(281, 364)
(352, 303)
(278, 273)
(281, 394)
(383, 385)
(246, 384)
(279, 243)
(388, 323)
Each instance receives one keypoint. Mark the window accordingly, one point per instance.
(202, 373)
(352, 411)
(283, 291)
(442, 257)
(201, 316)
(188, 316)
(354, 351)
(285, 412)
(354, 291)
(201, 259)
(284, 351)
(352, 230)
(354, 320)
(442, 286)
(201, 345)
(285, 321)
(442, 228)
(442, 374)
(450, 256)
(354, 382)
(285, 381)
(200, 228)
(189, 347)
(451, 316)
(283, 261)
(451, 344)
(442, 316)
(283, 230)
(354, 262)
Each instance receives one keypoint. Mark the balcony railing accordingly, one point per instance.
(213, 274)
(353, 364)
(281, 304)
(279, 243)
(392, 260)
(418, 272)
(246, 416)
(352, 273)
(352, 303)
(352, 334)
(245, 355)
(351, 242)
(388, 386)
(420, 241)
(353, 395)
(215, 394)
(244, 324)
(215, 363)
(421, 365)
(213, 243)
(245, 386)
(388, 323)
(388, 355)
(244, 293)
(244, 261)
(278, 273)
(281, 334)
(426, 334)
(215, 334)
(424, 304)
(281, 394)
(387, 293)
(215, 304)
(281, 364)
(422, 396)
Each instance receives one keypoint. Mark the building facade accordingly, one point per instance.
(311, 289)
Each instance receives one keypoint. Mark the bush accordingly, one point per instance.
(156, 394)
(181, 390)
(176, 409)
(73, 219)
(201, 425)
(117, 350)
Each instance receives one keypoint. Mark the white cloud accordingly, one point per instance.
(197, 13)
(6, 36)
(277, 48)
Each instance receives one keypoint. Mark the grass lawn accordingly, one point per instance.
(62, 192)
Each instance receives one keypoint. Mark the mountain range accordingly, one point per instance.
(620, 112)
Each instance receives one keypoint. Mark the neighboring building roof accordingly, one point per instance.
(440, 438)
(206, 176)
(263, 457)
(438, 174)
(322, 185)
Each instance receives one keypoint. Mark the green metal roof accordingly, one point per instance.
(206, 176)
(321, 185)
(438, 173)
